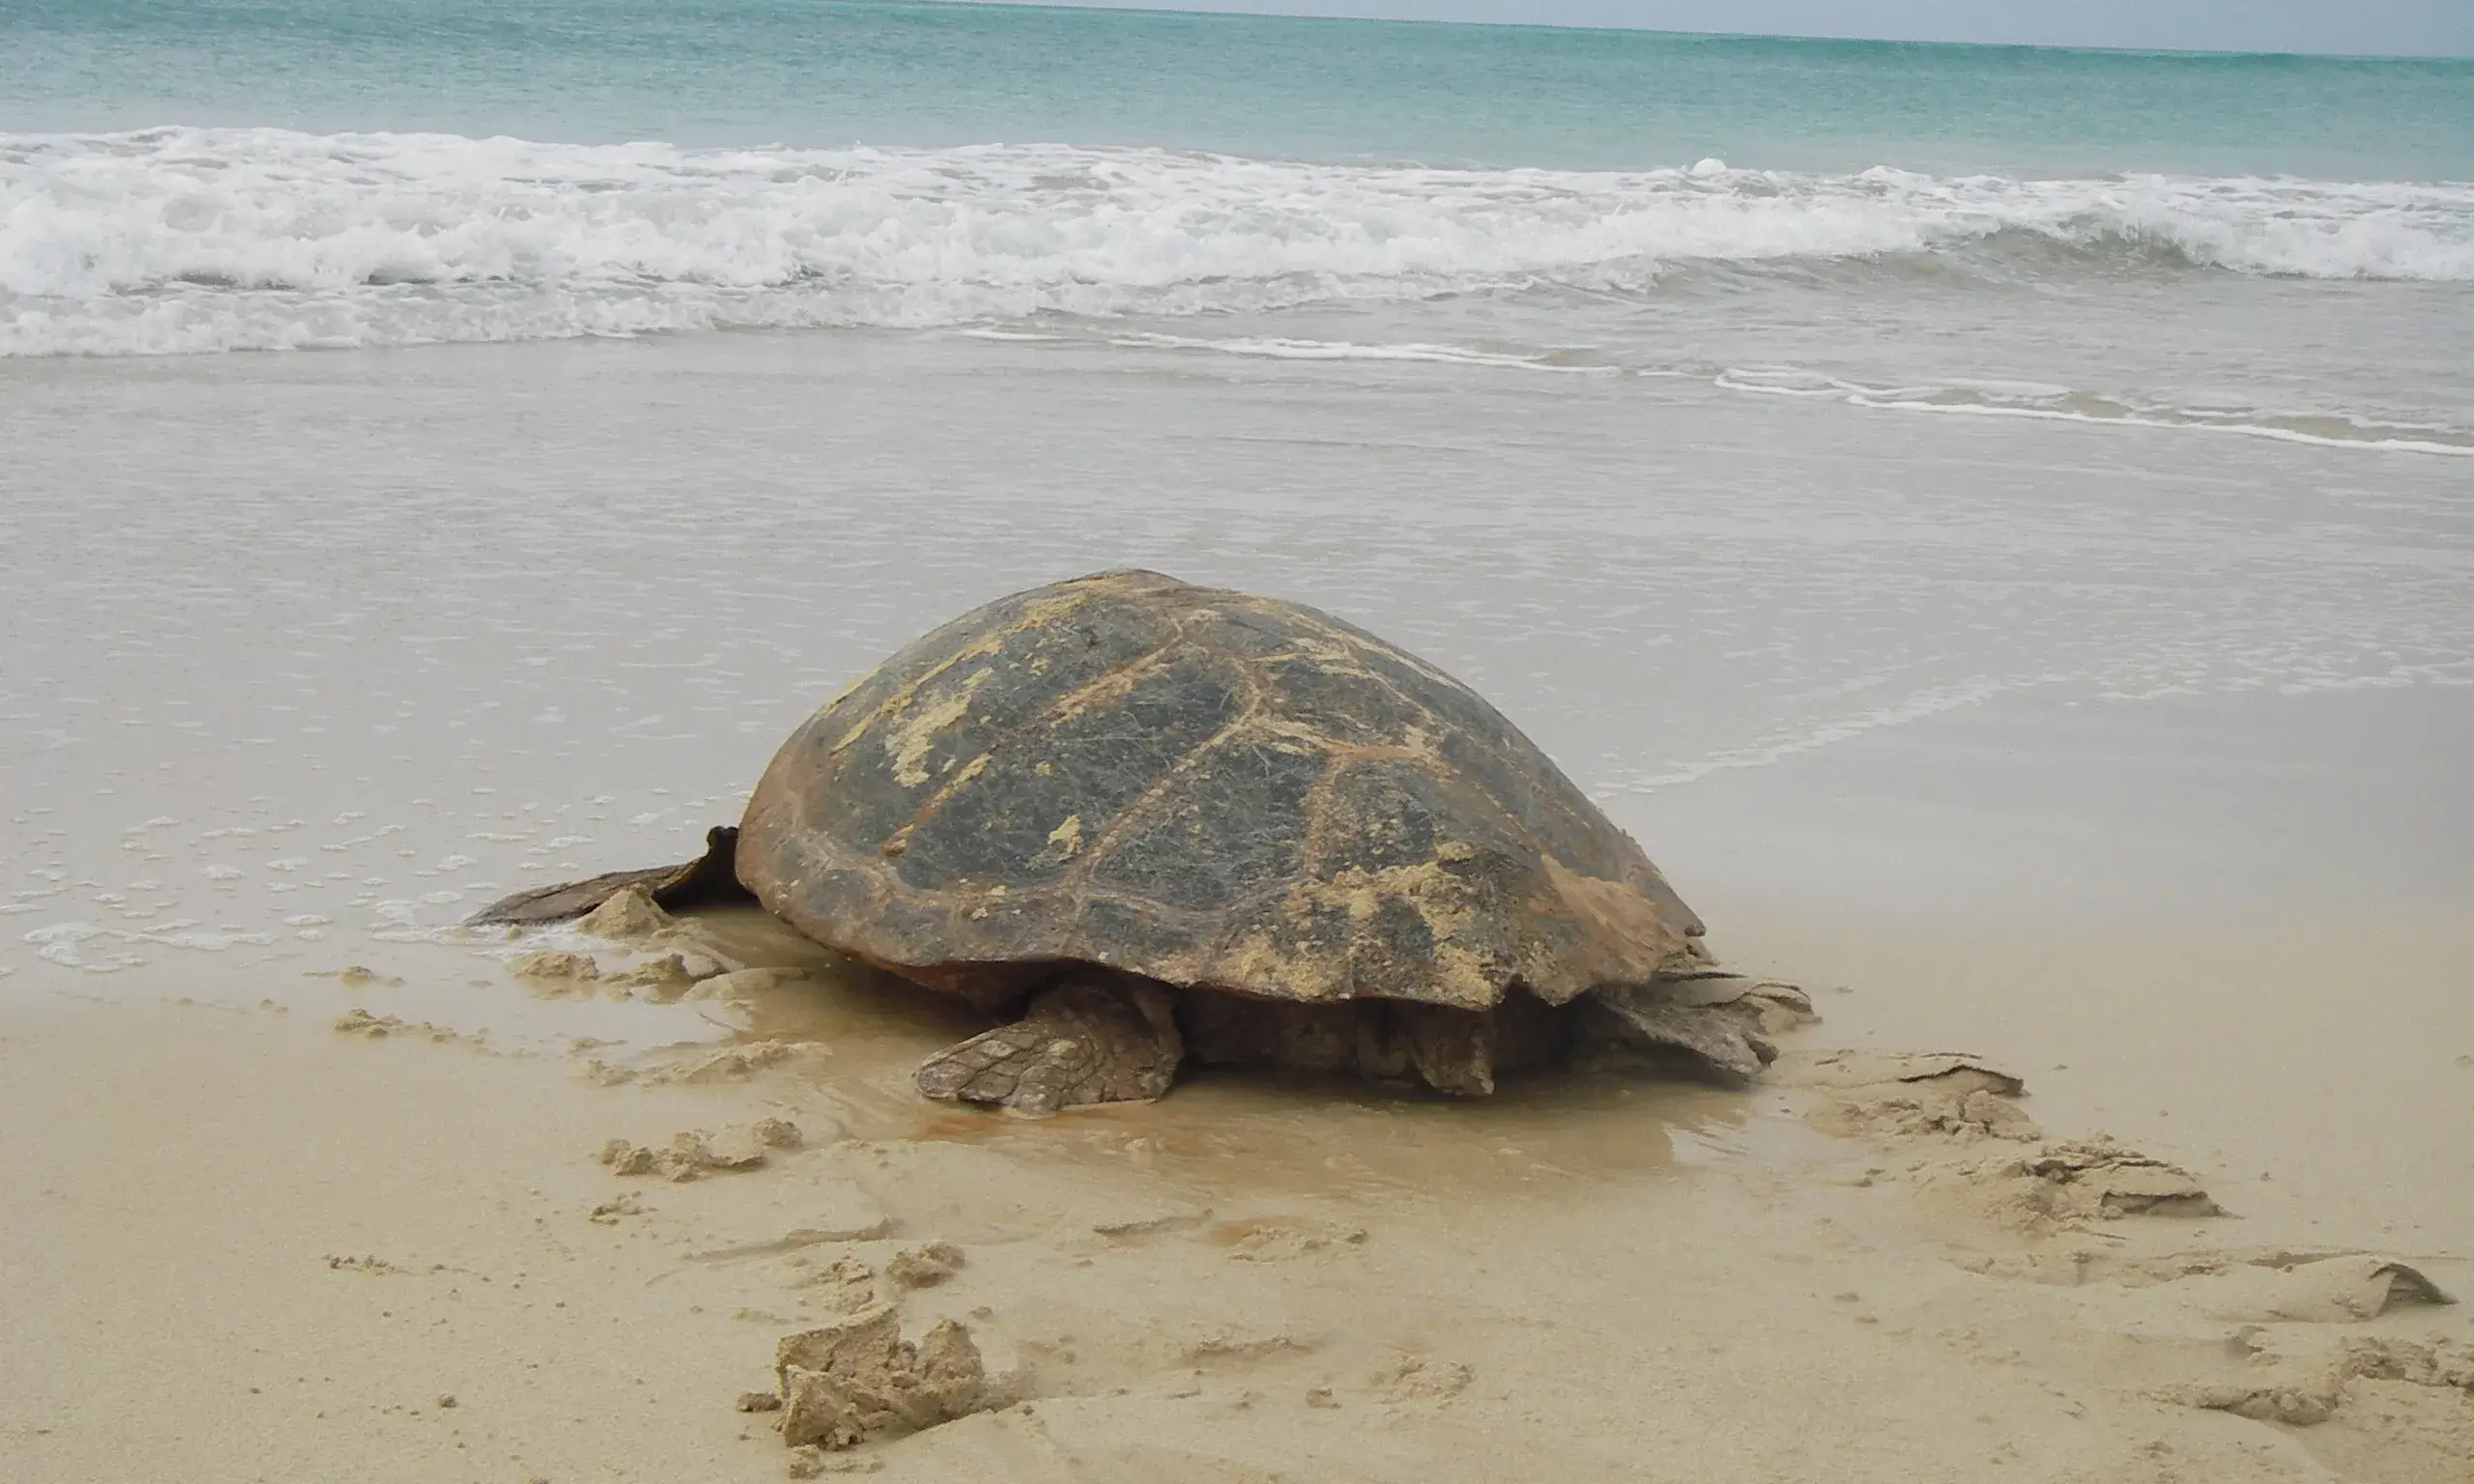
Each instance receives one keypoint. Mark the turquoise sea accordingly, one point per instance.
(196, 176)
(823, 74)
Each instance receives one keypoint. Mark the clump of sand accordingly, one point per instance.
(2310, 1394)
(924, 1267)
(628, 916)
(728, 1064)
(857, 1379)
(353, 976)
(555, 964)
(1908, 1094)
(2097, 1178)
(1930, 1103)
(656, 957)
(695, 1154)
(362, 1023)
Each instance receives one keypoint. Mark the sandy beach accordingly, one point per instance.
(246, 1244)
(2029, 610)
(319, 1217)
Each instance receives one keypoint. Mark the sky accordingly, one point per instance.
(2343, 27)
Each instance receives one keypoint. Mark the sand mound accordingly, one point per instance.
(2268, 1285)
(362, 1023)
(729, 1064)
(555, 966)
(1923, 1103)
(1284, 1239)
(857, 1379)
(924, 1267)
(628, 916)
(2305, 1395)
(1908, 1094)
(842, 1285)
(667, 959)
(695, 1154)
(2095, 1179)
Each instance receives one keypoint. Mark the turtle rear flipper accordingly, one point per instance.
(1090, 1038)
(710, 879)
(1718, 1019)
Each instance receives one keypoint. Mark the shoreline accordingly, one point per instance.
(2212, 933)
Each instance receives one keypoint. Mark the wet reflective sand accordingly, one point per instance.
(314, 649)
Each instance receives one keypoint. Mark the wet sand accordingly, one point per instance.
(2237, 930)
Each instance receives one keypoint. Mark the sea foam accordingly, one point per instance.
(180, 240)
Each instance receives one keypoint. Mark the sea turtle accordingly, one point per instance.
(1159, 821)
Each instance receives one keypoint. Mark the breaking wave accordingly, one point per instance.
(180, 240)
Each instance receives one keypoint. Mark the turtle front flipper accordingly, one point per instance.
(1090, 1038)
(710, 878)
(1722, 1021)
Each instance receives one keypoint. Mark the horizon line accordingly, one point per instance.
(1240, 12)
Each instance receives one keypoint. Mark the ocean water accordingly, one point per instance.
(448, 444)
(2272, 245)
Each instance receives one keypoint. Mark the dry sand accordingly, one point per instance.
(300, 1243)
